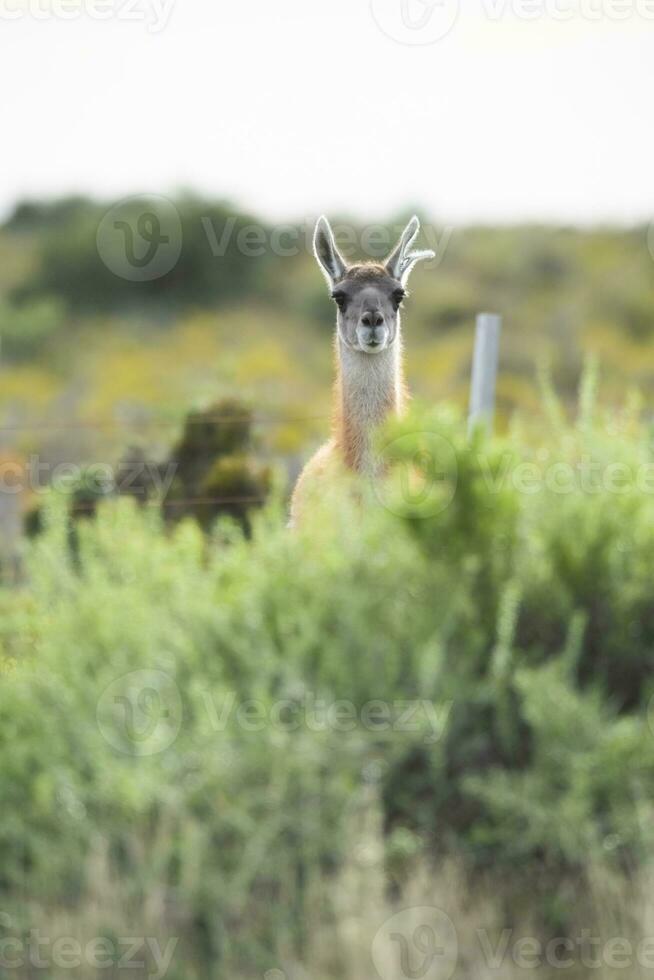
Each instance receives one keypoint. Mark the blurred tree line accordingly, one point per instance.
(70, 266)
(555, 283)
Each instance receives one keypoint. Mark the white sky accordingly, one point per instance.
(294, 107)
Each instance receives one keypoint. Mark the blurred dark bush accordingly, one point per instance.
(215, 471)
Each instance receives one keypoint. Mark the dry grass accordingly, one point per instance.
(437, 923)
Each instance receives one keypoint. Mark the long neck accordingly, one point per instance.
(369, 388)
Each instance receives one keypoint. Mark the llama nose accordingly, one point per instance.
(372, 318)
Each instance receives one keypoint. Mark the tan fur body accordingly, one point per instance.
(367, 390)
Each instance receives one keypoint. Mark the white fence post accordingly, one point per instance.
(484, 370)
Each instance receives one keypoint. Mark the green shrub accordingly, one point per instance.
(154, 682)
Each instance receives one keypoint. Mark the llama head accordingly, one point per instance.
(368, 295)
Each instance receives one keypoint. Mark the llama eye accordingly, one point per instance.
(398, 297)
(340, 299)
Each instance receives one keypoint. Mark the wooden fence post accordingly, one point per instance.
(484, 371)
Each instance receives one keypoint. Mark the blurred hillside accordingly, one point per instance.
(92, 362)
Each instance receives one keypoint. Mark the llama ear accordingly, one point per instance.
(401, 261)
(329, 258)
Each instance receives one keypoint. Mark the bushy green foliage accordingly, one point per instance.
(234, 823)
(552, 546)
(150, 680)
